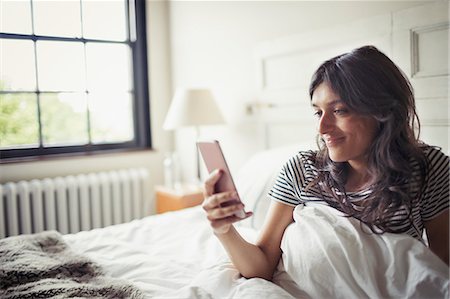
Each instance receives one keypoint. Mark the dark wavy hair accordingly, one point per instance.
(370, 84)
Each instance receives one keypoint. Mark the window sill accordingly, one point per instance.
(65, 156)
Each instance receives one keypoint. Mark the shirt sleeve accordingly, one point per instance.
(436, 196)
(289, 182)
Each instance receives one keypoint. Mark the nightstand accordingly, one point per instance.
(171, 199)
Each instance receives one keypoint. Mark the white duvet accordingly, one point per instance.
(175, 255)
(172, 255)
(329, 256)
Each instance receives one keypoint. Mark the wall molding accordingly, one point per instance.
(416, 33)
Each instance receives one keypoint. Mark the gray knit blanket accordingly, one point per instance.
(43, 266)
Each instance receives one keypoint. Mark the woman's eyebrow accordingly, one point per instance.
(332, 103)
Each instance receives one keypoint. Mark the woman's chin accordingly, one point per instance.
(335, 157)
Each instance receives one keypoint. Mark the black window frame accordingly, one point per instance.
(141, 98)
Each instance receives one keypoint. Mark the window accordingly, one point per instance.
(73, 77)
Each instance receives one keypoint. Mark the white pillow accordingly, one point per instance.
(257, 176)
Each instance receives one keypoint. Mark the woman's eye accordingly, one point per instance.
(318, 114)
(340, 111)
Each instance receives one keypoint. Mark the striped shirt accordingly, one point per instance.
(299, 171)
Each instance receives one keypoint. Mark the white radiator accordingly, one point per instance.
(73, 203)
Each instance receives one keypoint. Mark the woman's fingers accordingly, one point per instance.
(224, 212)
(218, 199)
(229, 220)
(211, 182)
(221, 207)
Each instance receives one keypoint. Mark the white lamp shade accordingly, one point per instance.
(192, 107)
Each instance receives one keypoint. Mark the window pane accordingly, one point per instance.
(18, 120)
(64, 118)
(108, 66)
(17, 67)
(60, 66)
(57, 18)
(104, 20)
(15, 17)
(111, 116)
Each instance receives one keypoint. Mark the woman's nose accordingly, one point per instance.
(325, 124)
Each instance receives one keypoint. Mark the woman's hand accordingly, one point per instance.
(220, 207)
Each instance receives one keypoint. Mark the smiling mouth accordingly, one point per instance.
(330, 142)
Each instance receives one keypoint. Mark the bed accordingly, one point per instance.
(175, 255)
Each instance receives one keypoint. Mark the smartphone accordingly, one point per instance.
(213, 157)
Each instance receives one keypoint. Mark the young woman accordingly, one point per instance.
(370, 165)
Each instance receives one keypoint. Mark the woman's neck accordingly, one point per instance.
(358, 177)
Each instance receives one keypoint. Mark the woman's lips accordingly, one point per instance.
(333, 141)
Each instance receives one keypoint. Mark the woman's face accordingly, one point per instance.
(347, 135)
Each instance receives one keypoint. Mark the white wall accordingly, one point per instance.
(160, 93)
(213, 45)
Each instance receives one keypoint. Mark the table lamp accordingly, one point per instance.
(193, 108)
